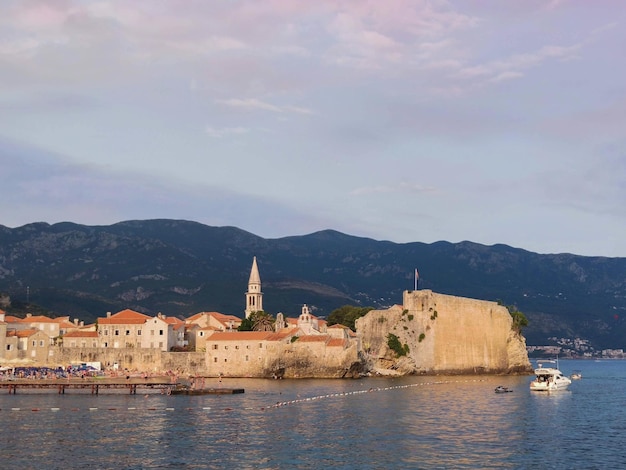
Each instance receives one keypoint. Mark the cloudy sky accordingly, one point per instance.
(403, 120)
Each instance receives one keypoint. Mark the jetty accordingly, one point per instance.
(94, 385)
(205, 391)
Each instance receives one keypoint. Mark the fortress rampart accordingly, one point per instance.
(443, 334)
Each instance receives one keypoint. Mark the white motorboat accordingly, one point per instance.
(549, 379)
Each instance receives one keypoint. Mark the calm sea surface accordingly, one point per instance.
(414, 422)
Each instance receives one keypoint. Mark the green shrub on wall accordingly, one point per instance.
(396, 346)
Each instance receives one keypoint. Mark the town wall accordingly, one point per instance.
(132, 359)
(317, 359)
(275, 358)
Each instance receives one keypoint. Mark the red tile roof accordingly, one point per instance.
(283, 334)
(37, 319)
(199, 315)
(221, 317)
(336, 342)
(81, 334)
(125, 317)
(23, 333)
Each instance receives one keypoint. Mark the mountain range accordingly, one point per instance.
(180, 268)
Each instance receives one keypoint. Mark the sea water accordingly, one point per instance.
(375, 423)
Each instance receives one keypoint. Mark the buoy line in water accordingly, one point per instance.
(369, 390)
(276, 405)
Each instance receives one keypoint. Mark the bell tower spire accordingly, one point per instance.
(254, 296)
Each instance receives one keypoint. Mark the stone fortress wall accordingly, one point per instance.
(444, 334)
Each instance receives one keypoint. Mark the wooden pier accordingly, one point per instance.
(94, 385)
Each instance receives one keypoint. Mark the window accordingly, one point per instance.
(215, 359)
(106, 332)
(160, 344)
(9, 347)
(201, 334)
(246, 358)
(225, 347)
(152, 332)
(236, 347)
(215, 346)
(261, 345)
(138, 332)
(34, 343)
(117, 332)
(41, 343)
(106, 345)
(127, 332)
(160, 332)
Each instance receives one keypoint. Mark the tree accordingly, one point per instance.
(258, 321)
(519, 319)
(347, 315)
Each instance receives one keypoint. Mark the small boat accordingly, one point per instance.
(576, 375)
(502, 389)
(548, 379)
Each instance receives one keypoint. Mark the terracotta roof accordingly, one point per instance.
(224, 317)
(12, 319)
(342, 327)
(199, 315)
(336, 342)
(125, 317)
(23, 333)
(221, 317)
(37, 319)
(68, 324)
(81, 334)
(211, 328)
(62, 319)
(282, 334)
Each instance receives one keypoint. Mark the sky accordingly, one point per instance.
(409, 121)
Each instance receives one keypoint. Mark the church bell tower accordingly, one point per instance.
(254, 296)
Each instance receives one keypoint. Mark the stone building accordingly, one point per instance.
(125, 329)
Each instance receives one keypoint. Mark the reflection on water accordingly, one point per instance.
(414, 422)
